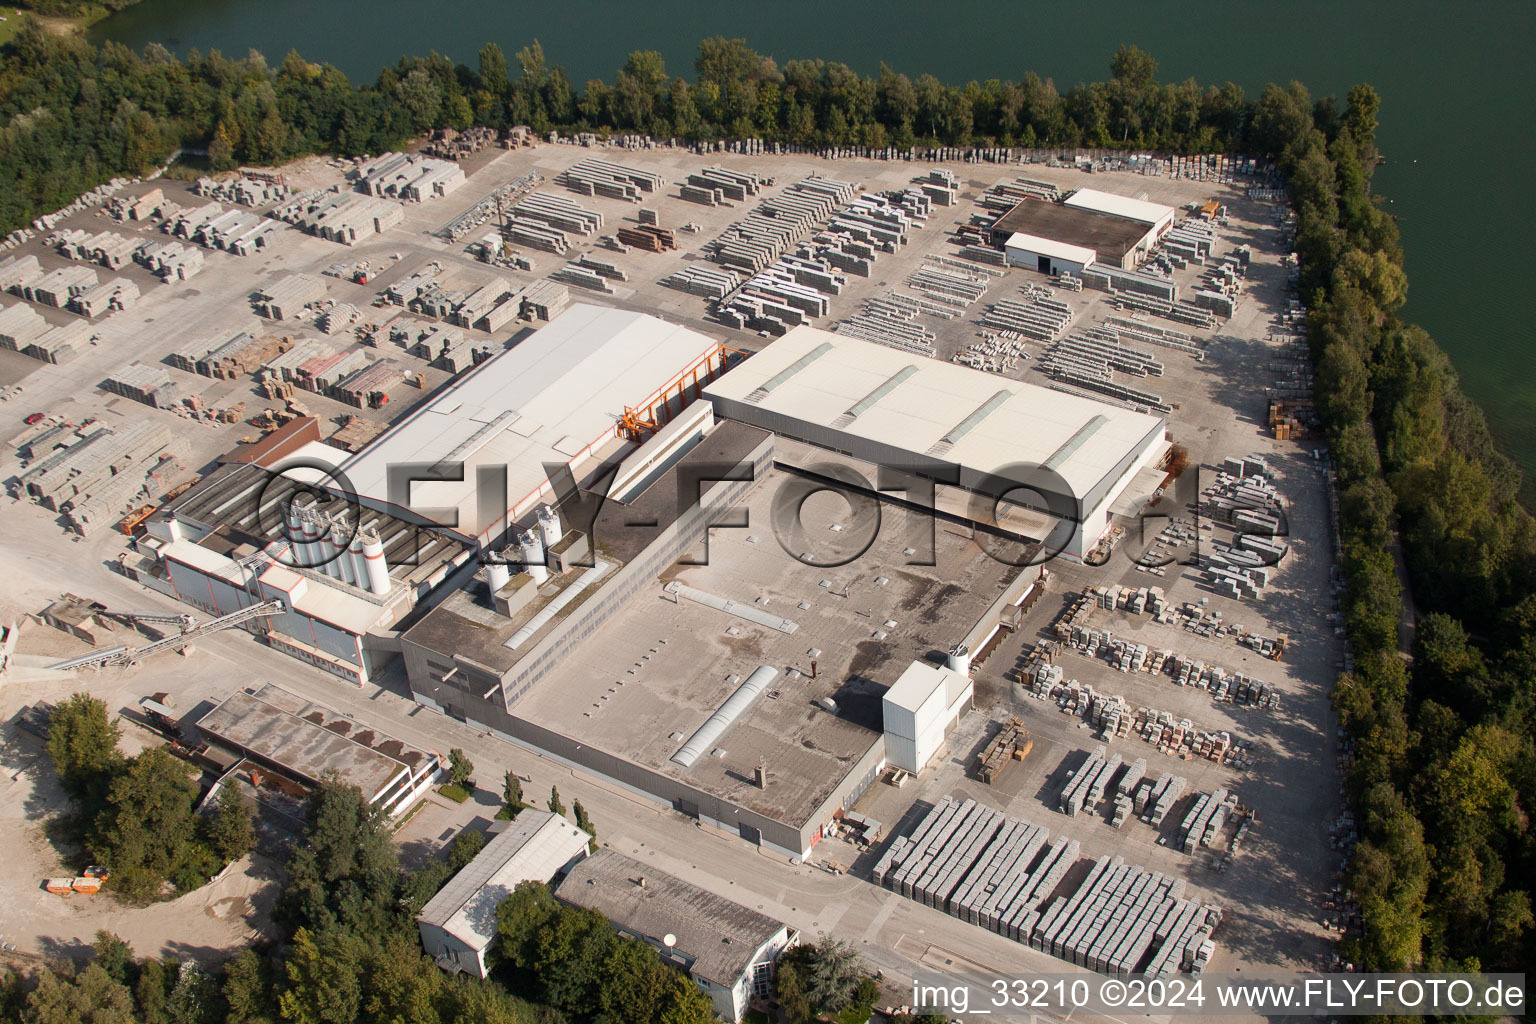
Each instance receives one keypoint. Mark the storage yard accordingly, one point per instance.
(1163, 791)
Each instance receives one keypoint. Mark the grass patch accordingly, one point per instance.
(458, 794)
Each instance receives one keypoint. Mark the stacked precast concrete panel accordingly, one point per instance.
(983, 868)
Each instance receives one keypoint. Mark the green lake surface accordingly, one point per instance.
(1457, 82)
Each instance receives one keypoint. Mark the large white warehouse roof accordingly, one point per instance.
(556, 397)
(898, 409)
(1138, 210)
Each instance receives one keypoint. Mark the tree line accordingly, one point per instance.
(76, 115)
(1443, 770)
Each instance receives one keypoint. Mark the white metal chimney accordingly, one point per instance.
(549, 527)
(378, 568)
(533, 555)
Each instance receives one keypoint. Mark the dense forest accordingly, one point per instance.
(1444, 770)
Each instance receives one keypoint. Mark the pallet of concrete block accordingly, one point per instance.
(244, 190)
(880, 221)
(60, 344)
(545, 300)
(559, 213)
(1204, 821)
(1124, 919)
(940, 185)
(171, 261)
(1087, 785)
(145, 383)
(577, 274)
(109, 297)
(594, 177)
(710, 282)
(649, 237)
(716, 185)
(1164, 795)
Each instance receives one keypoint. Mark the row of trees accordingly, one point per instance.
(137, 816)
(76, 115)
(1444, 766)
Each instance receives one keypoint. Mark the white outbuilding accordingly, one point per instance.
(921, 709)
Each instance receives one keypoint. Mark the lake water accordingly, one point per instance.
(1456, 80)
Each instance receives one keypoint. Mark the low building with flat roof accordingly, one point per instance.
(1114, 240)
(1066, 458)
(307, 742)
(728, 949)
(458, 925)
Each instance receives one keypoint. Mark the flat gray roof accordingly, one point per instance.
(720, 935)
(307, 739)
(533, 847)
(653, 674)
(1104, 233)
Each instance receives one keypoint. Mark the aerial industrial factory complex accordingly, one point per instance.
(868, 557)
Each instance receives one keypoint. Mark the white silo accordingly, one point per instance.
(533, 555)
(497, 572)
(549, 526)
(359, 562)
(342, 559)
(378, 568)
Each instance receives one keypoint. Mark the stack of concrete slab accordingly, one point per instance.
(20, 325)
(57, 287)
(1002, 873)
(60, 344)
(337, 216)
(17, 271)
(648, 237)
(778, 223)
(559, 213)
(716, 185)
(1039, 319)
(170, 261)
(288, 297)
(710, 282)
(594, 177)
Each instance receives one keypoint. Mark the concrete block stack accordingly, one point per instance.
(594, 177)
(996, 872)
